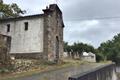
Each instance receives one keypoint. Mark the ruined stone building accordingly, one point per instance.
(36, 36)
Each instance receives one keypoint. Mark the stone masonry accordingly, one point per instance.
(4, 49)
(36, 36)
(53, 33)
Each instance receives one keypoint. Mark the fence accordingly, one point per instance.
(106, 72)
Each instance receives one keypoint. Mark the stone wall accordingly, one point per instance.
(53, 33)
(24, 41)
(44, 34)
(106, 72)
(5, 42)
(27, 55)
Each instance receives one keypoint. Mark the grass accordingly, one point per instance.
(42, 68)
(118, 76)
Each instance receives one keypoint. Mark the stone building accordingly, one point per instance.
(90, 57)
(4, 48)
(36, 36)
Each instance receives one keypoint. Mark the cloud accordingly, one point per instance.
(94, 33)
(80, 24)
(31, 6)
(79, 18)
(91, 9)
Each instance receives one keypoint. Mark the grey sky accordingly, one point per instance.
(79, 17)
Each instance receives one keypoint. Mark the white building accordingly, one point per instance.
(36, 36)
(90, 57)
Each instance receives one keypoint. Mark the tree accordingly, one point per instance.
(111, 49)
(10, 10)
(105, 49)
(77, 49)
(67, 48)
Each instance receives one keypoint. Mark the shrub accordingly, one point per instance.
(4, 70)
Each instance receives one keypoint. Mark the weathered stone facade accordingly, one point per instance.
(43, 38)
(5, 42)
(53, 33)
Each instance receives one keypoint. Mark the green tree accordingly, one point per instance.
(105, 49)
(77, 49)
(111, 49)
(10, 10)
(67, 48)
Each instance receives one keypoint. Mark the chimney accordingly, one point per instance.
(52, 7)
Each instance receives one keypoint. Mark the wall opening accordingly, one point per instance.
(26, 26)
(57, 49)
(8, 27)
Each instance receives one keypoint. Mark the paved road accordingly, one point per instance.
(60, 74)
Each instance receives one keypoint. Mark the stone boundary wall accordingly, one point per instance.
(107, 72)
(4, 49)
(27, 55)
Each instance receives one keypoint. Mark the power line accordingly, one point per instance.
(96, 18)
(91, 18)
(117, 17)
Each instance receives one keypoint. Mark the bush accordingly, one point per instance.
(4, 70)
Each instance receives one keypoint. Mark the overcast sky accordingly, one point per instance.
(81, 18)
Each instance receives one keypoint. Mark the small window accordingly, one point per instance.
(26, 26)
(8, 27)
